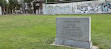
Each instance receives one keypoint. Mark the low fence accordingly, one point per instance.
(89, 7)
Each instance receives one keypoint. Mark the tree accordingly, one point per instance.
(50, 0)
(3, 4)
(28, 1)
(12, 5)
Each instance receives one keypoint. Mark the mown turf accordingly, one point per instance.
(39, 31)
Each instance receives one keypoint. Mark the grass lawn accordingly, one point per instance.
(39, 31)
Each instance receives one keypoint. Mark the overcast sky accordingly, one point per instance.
(7, 0)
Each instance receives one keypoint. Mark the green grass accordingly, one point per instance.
(39, 31)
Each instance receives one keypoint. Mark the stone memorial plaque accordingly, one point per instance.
(73, 31)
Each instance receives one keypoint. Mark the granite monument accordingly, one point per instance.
(74, 32)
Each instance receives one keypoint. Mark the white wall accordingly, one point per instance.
(89, 7)
(0, 10)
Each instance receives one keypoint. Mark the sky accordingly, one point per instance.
(7, 0)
